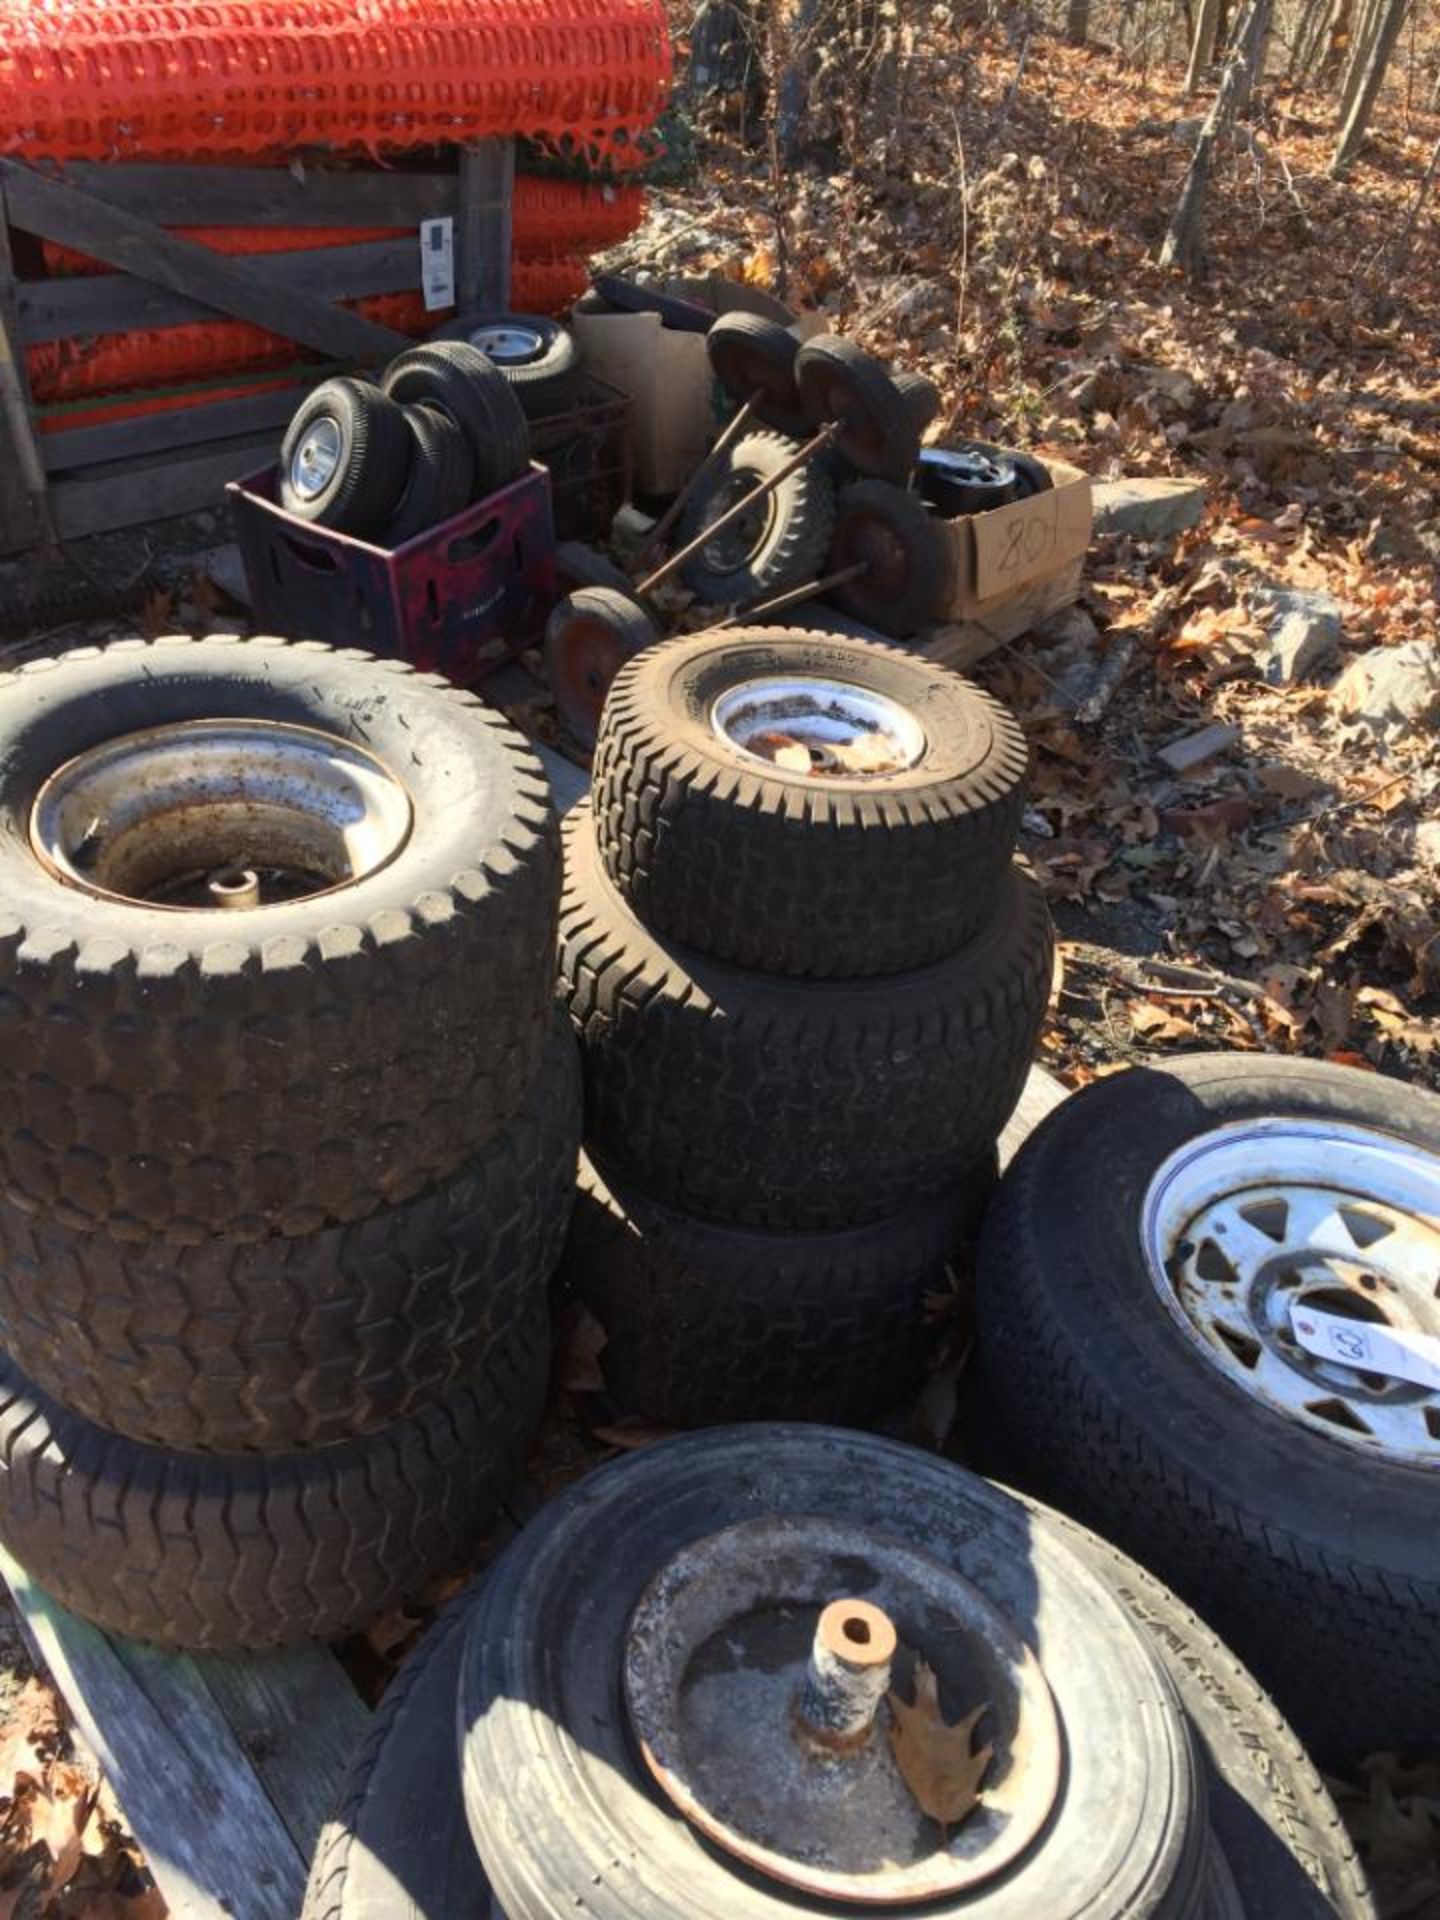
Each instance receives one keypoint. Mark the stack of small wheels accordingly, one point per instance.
(807, 975)
(679, 1695)
(288, 1130)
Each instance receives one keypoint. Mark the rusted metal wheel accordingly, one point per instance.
(754, 360)
(840, 381)
(905, 555)
(589, 637)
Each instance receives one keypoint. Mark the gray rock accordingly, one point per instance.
(1148, 509)
(1304, 630)
(1391, 690)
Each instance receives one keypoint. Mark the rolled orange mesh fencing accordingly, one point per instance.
(550, 216)
(168, 356)
(245, 79)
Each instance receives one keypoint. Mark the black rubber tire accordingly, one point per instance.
(224, 1551)
(306, 1342)
(376, 447)
(706, 1324)
(589, 637)
(1320, 1563)
(907, 554)
(789, 532)
(546, 379)
(990, 478)
(1270, 1812)
(459, 381)
(577, 565)
(182, 1074)
(796, 1105)
(799, 873)
(840, 381)
(398, 1846)
(628, 296)
(921, 396)
(442, 476)
(565, 1815)
(754, 357)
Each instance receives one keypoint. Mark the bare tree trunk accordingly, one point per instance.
(1077, 21)
(1366, 26)
(1202, 47)
(1184, 243)
(1358, 120)
(1337, 42)
(1309, 38)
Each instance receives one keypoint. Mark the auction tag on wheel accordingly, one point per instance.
(437, 263)
(1393, 1351)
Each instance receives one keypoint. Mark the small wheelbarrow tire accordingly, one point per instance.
(840, 381)
(754, 360)
(458, 380)
(373, 458)
(788, 550)
(545, 377)
(906, 554)
(921, 397)
(442, 476)
(588, 638)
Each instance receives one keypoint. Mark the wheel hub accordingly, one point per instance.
(818, 726)
(1252, 1230)
(738, 544)
(232, 814)
(316, 460)
(508, 345)
(757, 1671)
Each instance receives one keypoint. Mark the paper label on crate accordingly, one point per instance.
(437, 263)
(1393, 1351)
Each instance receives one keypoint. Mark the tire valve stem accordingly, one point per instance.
(234, 887)
(848, 1676)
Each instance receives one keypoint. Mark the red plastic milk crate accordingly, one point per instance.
(459, 599)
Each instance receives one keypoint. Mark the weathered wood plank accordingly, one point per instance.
(123, 240)
(215, 1844)
(151, 433)
(483, 227)
(24, 515)
(130, 493)
(191, 196)
(117, 302)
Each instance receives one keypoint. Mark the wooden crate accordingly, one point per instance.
(87, 479)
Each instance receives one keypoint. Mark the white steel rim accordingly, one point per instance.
(316, 460)
(1251, 1218)
(509, 345)
(844, 730)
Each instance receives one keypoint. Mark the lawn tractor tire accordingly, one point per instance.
(272, 1345)
(345, 458)
(706, 1324)
(802, 1106)
(813, 873)
(781, 543)
(841, 382)
(459, 381)
(754, 360)
(442, 476)
(906, 554)
(398, 1846)
(1235, 1464)
(538, 356)
(220, 1552)
(179, 1073)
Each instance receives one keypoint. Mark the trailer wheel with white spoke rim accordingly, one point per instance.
(1208, 1316)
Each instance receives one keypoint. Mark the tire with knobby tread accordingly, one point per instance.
(442, 476)
(277, 1344)
(797, 1105)
(376, 448)
(459, 381)
(226, 1551)
(809, 874)
(907, 556)
(754, 360)
(178, 1074)
(840, 381)
(790, 530)
(398, 1846)
(1319, 1562)
(707, 1324)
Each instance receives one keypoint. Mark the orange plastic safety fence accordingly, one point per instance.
(549, 216)
(241, 79)
(165, 356)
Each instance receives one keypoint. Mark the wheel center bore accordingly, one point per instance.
(819, 726)
(760, 1668)
(219, 814)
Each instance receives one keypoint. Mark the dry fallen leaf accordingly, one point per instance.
(936, 1760)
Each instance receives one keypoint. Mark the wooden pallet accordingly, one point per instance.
(227, 1767)
(58, 485)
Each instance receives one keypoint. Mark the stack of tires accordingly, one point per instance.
(288, 1130)
(808, 976)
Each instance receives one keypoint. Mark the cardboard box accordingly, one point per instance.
(1012, 566)
(667, 376)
